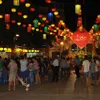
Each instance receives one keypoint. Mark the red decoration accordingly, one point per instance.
(53, 9)
(24, 25)
(29, 28)
(7, 18)
(81, 38)
(41, 31)
(22, 1)
(13, 21)
(32, 9)
(7, 26)
(40, 16)
(58, 16)
(47, 21)
(48, 1)
(79, 23)
(19, 13)
(42, 25)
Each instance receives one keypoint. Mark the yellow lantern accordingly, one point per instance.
(13, 10)
(44, 18)
(0, 1)
(44, 36)
(1, 16)
(98, 16)
(51, 33)
(18, 23)
(25, 16)
(52, 25)
(16, 2)
(37, 29)
(39, 23)
(27, 5)
(55, 30)
(56, 13)
(33, 28)
(77, 8)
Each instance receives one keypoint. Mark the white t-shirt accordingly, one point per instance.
(56, 62)
(86, 66)
(23, 64)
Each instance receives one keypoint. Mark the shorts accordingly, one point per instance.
(86, 74)
(24, 74)
(93, 76)
(12, 76)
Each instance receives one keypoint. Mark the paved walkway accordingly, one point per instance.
(70, 89)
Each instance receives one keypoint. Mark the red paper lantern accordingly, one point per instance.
(32, 9)
(7, 26)
(24, 25)
(47, 21)
(48, 1)
(19, 13)
(7, 18)
(40, 16)
(53, 9)
(81, 38)
(79, 22)
(22, 1)
(41, 31)
(13, 21)
(29, 28)
(58, 16)
(42, 25)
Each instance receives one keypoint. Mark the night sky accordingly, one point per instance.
(90, 10)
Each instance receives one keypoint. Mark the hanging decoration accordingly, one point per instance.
(77, 8)
(44, 36)
(19, 13)
(79, 22)
(13, 21)
(29, 28)
(22, 1)
(0, 1)
(1, 16)
(81, 38)
(50, 16)
(27, 5)
(95, 28)
(16, 2)
(48, 1)
(32, 9)
(7, 26)
(46, 29)
(35, 22)
(7, 18)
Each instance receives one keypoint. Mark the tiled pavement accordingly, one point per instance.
(71, 89)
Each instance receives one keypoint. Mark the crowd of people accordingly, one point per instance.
(35, 70)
